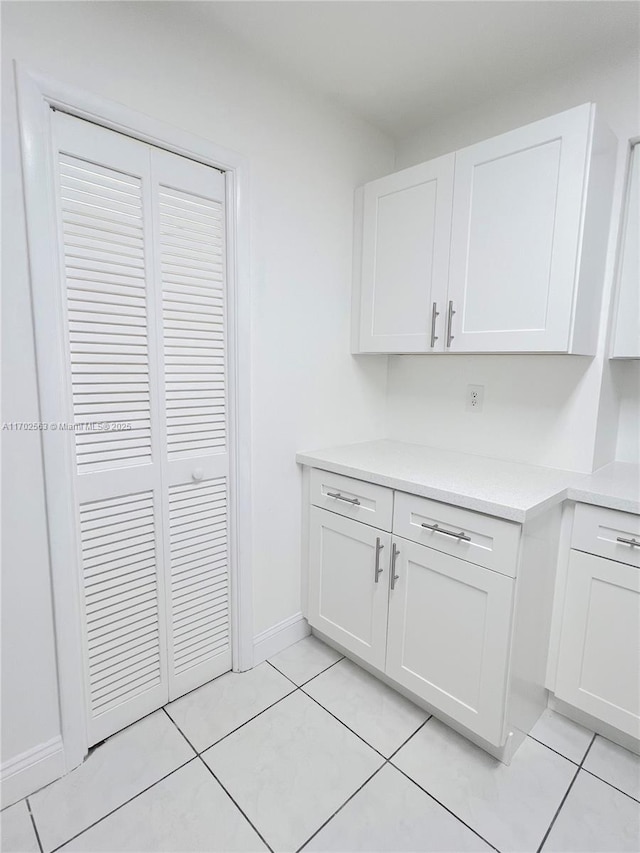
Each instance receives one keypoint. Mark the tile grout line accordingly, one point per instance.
(406, 741)
(237, 728)
(180, 730)
(586, 770)
(564, 799)
(339, 809)
(284, 675)
(299, 687)
(240, 809)
(446, 808)
(331, 714)
(33, 821)
(338, 720)
(366, 781)
(126, 802)
(290, 680)
(561, 754)
(615, 787)
(322, 671)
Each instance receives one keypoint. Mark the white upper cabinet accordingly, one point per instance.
(526, 245)
(405, 257)
(515, 241)
(626, 338)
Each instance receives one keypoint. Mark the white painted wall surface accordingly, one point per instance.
(539, 409)
(29, 677)
(305, 157)
(626, 378)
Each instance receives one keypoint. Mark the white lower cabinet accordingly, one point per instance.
(599, 656)
(348, 583)
(449, 635)
(430, 618)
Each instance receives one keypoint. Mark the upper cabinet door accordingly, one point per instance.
(405, 257)
(626, 339)
(517, 221)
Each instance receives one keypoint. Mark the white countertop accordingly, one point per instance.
(616, 486)
(496, 487)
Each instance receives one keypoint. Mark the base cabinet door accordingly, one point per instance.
(599, 658)
(449, 636)
(348, 583)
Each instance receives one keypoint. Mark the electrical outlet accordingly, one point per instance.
(475, 398)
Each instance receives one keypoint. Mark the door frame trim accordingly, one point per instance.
(37, 93)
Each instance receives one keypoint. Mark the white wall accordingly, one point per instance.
(305, 159)
(539, 409)
(626, 378)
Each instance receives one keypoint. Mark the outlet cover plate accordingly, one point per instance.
(474, 398)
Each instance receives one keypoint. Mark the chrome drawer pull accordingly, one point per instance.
(340, 497)
(461, 535)
(394, 556)
(379, 547)
(633, 542)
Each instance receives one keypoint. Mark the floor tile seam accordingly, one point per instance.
(180, 731)
(339, 809)
(556, 751)
(611, 785)
(290, 680)
(237, 805)
(121, 805)
(342, 723)
(564, 798)
(33, 822)
(412, 735)
(446, 808)
(322, 671)
(237, 728)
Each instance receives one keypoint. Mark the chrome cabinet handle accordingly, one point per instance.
(632, 542)
(434, 313)
(340, 497)
(437, 529)
(379, 547)
(394, 556)
(450, 314)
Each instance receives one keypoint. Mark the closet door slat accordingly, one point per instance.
(181, 308)
(189, 215)
(109, 290)
(104, 200)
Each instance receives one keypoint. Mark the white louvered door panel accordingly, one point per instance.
(104, 198)
(189, 221)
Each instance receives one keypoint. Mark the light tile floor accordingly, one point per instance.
(309, 752)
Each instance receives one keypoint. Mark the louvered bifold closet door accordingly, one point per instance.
(104, 211)
(189, 221)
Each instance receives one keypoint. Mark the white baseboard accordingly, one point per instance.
(279, 637)
(32, 770)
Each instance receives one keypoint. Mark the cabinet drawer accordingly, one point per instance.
(477, 538)
(607, 533)
(357, 499)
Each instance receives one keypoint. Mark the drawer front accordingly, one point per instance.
(357, 499)
(481, 539)
(607, 533)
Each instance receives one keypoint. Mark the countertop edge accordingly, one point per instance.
(505, 511)
(584, 496)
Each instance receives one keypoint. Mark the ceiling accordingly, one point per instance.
(401, 65)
